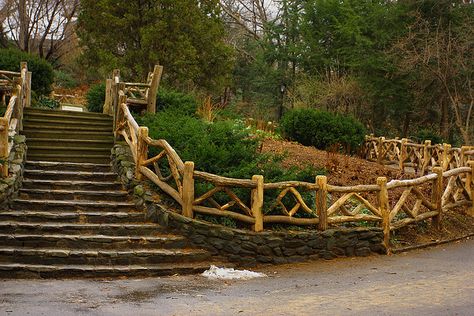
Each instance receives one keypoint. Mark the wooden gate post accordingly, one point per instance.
(321, 202)
(188, 189)
(142, 151)
(257, 203)
(385, 211)
(436, 195)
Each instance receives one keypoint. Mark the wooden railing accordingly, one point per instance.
(389, 205)
(421, 158)
(18, 86)
(138, 94)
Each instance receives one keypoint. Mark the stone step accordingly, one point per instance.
(71, 134)
(69, 175)
(71, 157)
(66, 116)
(71, 122)
(71, 185)
(16, 270)
(38, 111)
(67, 166)
(73, 195)
(65, 206)
(116, 229)
(92, 241)
(40, 127)
(70, 143)
(73, 217)
(48, 256)
(39, 150)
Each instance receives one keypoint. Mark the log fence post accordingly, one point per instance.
(470, 186)
(462, 158)
(28, 89)
(436, 195)
(321, 202)
(115, 94)
(108, 97)
(446, 156)
(426, 156)
(385, 211)
(380, 150)
(18, 108)
(188, 189)
(119, 118)
(153, 90)
(142, 150)
(403, 154)
(257, 203)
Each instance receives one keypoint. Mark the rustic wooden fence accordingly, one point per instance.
(421, 158)
(16, 86)
(139, 95)
(389, 205)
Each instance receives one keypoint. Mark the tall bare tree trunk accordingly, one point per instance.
(23, 36)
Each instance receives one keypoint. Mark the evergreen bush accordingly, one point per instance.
(42, 72)
(96, 98)
(323, 129)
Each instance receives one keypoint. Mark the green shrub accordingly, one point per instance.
(96, 98)
(42, 72)
(64, 79)
(323, 129)
(45, 102)
(427, 134)
(170, 99)
(166, 99)
(224, 147)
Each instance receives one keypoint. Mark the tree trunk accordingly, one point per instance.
(23, 36)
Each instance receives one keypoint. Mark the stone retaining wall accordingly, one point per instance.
(9, 186)
(247, 247)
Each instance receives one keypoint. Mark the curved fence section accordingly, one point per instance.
(421, 158)
(388, 205)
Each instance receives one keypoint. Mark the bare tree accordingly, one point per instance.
(40, 26)
(252, 16)
(442, 58)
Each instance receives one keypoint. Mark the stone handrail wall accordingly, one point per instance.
(10, 185)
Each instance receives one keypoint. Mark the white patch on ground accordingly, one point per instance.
(230, 274)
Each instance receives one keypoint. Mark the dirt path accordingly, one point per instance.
(436, 281)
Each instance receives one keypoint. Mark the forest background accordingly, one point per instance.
(402, 68)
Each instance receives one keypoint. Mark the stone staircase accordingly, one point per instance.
(73, 219)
